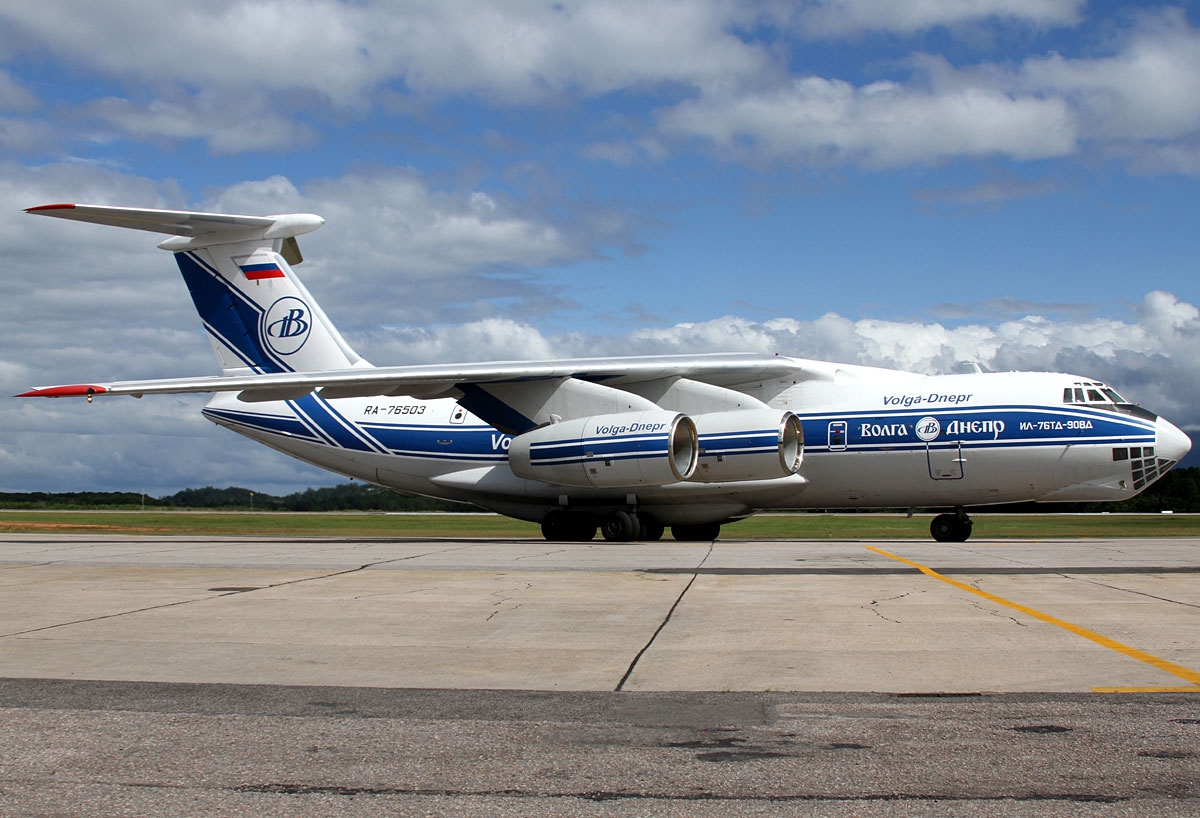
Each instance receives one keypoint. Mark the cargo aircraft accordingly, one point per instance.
(628, 445)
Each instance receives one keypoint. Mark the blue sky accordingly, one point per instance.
(896, 184)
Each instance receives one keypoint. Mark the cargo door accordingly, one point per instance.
(945, 461)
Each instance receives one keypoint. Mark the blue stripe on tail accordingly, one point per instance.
(228, 315)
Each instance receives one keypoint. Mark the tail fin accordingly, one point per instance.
(259, 316)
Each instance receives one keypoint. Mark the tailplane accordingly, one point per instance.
(238, 269)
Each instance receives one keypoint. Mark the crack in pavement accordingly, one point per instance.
(208, 597)
(662, 625)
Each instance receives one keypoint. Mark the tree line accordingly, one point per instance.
(1178, 491)
(346, 497)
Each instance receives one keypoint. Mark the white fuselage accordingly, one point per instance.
(873, 438)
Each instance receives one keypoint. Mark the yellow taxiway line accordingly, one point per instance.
(1190, 676)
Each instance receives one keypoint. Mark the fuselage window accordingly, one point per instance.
(1120, 454)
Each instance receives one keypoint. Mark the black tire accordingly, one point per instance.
(620, 526)
(652, 529)
(942, 528)
(951, 528)
(965, 524)
(555, 526)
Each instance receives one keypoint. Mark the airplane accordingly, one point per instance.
(628, 446)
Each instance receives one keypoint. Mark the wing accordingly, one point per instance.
(441, 379)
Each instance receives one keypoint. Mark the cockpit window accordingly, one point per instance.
(1092, 393)
(1100, 396)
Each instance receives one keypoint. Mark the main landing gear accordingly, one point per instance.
(954, 527)
(620, 526)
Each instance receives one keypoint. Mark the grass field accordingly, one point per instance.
(766, 527)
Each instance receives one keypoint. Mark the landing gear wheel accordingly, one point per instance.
(620, 526)
(701, 532)
(951, 527)
(652, 529)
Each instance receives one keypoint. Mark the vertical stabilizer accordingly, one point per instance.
(259, 316)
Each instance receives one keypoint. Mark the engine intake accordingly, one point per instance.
(651, 448)
(748, 445)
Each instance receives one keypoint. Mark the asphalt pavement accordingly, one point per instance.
(164, 675)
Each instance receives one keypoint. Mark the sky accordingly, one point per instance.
(911, 185)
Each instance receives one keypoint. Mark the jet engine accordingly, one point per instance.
(650, 448)
(759, 444)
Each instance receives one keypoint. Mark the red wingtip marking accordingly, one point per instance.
(50, 207)
(74, 391)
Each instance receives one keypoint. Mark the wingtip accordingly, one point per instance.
(44, 207)
(79, 390)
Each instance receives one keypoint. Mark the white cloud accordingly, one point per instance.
(19, 135)
(392, 220)
(1141, 103)
(310, 45)
(14, 96)
(228, 123)
(426, 255)
(1150, 90)
(847, 17)
(883, 124)
(248, 76)
(516, 52)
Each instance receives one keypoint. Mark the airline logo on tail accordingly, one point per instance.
(286, 325)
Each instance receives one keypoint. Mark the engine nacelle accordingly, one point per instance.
(651, 448)
(758, 444)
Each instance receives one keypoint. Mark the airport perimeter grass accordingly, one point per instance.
(764, 527)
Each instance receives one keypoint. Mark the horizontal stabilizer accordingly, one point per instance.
(191, 230)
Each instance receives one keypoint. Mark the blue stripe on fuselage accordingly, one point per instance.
(276, 424)
(321, 416)
(322, 424)
(1023, 426)
(983, 427)
(453, 442)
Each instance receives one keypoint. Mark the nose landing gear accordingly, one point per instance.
(954, 527)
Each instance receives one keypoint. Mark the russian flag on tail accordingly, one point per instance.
(258, 272)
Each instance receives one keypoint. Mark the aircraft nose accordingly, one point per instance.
(1173, 444)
